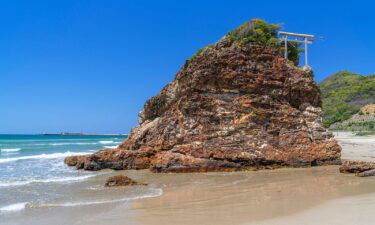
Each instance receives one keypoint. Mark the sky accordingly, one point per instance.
(89, 66)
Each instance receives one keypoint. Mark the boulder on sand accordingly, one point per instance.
(121, 180)
(359, 168)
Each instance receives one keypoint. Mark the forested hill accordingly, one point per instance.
(344, 93)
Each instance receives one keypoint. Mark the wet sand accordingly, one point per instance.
(319, 195)
(358, 210)
(248, 197)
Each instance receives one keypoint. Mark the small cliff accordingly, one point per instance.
(361, 122)
(235, 105)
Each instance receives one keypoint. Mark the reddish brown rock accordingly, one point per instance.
(121, 180)
(368, 173)
(359, 168)
(77, 161)
(231, 107)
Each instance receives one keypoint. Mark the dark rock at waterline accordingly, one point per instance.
(121, 180)
(231, 107)
(368, 173)
(77, 161)
(359, 168)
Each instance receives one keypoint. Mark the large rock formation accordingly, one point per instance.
(234, 105)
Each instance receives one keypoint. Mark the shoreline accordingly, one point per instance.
(220, 198)
(263, 197)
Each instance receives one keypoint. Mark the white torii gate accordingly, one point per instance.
(300, 38)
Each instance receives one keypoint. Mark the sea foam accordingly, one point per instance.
(50, 180)
(106, 142)
(111, 146)
(14, 207)
(43, 156)
(10, 149)
(154, 193)
(73, 143)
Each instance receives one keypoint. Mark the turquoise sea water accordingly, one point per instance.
(29, 161)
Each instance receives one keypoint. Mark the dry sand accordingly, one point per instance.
(356, 147)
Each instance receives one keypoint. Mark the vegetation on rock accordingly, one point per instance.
(258, 32)
(343, 95)
(255, 31)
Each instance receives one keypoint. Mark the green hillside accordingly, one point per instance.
(344, 93)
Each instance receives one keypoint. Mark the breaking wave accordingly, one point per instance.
(106, 142)
(73, 143)
(10, 149)
(14, 207)
(43, 156)
(154, 193)
(111, 146)
(51, 180)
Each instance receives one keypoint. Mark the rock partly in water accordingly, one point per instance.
(368, 173)
(234, 105)
(359, 168)
(77, 161)
(121, 180)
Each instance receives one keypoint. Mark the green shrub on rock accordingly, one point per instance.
(258, 32)
(255, 31)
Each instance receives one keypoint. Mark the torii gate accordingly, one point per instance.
(300, 38)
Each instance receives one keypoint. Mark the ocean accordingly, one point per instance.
(33, 174)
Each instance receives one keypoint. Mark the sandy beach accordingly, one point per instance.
(286, 196)
(356, 147)
(319, 195)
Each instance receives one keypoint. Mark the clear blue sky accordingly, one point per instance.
(89, 66)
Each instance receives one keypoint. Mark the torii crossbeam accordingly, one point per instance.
(300, 38)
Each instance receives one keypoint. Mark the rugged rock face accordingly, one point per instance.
(121, 180)
(230, 107)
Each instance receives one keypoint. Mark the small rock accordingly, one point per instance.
(360, 168)
(75, 160)
(121, 180)
(367, 173)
